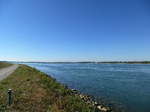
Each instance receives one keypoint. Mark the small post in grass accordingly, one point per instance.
(9, 97)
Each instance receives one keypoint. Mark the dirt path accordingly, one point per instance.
(4, 72)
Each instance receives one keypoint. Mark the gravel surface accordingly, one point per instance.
(4, 72)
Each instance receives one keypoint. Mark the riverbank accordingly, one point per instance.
(91, 62)
(35, 91)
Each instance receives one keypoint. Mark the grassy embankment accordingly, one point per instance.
(4, 64)
(33, 91)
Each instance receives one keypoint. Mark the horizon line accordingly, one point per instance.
(76, 61)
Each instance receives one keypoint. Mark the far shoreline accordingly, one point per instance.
(85, 62)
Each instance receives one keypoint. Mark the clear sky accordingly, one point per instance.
(74, 30)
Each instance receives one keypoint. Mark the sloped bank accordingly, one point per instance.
(34, 91)
(101, 105)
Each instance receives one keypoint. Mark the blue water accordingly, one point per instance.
(123, 84)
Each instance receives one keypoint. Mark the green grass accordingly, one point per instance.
(33, 91)
(4, 64)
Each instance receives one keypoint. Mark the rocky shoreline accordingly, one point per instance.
(99, 104)
(100, 107)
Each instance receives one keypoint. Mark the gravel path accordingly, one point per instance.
(4, 72)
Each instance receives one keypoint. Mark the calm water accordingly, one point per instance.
(124, 84)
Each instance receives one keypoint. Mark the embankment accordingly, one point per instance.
(34, 91)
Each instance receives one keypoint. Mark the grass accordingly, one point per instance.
(34, 91)
(4, 64)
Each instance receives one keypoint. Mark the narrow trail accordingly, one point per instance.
(4, 72)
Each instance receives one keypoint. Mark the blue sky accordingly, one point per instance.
(74, 30)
